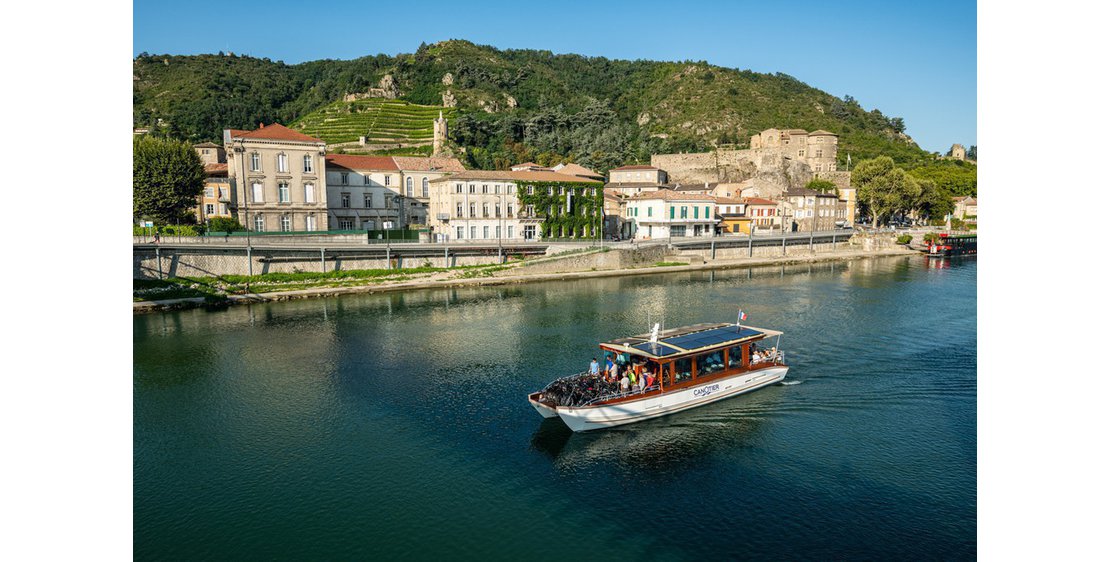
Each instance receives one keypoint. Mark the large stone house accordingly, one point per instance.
(480, 205)
(215, 200)
(417, 174)
(363, 192)
(807, 209)
(765, 214)
(277, 179)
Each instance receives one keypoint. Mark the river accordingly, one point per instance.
(395, 425)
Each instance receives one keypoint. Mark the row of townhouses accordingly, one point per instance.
(275, 179)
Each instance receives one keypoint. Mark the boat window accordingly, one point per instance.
(711, 363)
(682, 370)
(736, 357)
(665, 375)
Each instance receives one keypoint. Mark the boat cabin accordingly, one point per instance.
(696, 354)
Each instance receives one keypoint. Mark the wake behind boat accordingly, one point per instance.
(672, 371)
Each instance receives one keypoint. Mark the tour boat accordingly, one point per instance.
(688, 367)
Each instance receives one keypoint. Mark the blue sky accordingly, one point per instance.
(916, 60)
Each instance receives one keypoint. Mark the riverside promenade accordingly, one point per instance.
(521, 273)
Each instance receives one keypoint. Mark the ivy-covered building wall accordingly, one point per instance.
(569, 209)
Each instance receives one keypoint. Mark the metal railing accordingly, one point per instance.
(622, 394)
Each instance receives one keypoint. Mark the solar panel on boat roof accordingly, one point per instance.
(655, 349)
(711, 337)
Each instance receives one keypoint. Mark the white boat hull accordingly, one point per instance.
(544, 410)
(587, 418)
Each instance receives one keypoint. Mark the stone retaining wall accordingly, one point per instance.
(213, 262)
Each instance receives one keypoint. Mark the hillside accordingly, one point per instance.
(381, 121)
(509, 105)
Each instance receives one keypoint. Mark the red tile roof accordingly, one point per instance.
(757, 201)
(510, 175)
(216, 169)
(358, 162)
(273, 131)
(728, 201)
(429, 164)
(577, 170)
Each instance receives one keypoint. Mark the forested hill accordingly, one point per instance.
(517, 105)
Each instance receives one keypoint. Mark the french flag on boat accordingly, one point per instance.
(741, 316)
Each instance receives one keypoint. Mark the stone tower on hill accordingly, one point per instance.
(958, 152)
(439, 135)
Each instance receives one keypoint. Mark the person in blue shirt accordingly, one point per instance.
(594, 366)
(610, 368)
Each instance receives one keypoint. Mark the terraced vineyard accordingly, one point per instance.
(382, 121)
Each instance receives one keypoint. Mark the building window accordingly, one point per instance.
(286, 223)
(496, 188)
(672, 213)
(497, 230)
(424, 187)
(473, 212)
(310, 223)
(529, 232)
(458, 210)
(256, 162)
(459, 233)
(530, 211)
(256, 192)
(473, 232)
(801, 153)
(343, 176)
(408, 187)
(509, 211)
(366, 179)
(458, 188)
(387, 180)
(346, 223)
(345, 200)
(283, 192)
(309, 193)
(368, 200)
(485, 232)
(707, 212)
(550, 190)
(472, 187)
(649, 211)
(497, 210)
(678, 230)
(209, 192)
(485, 188)
(223, 208)
(209, 209)
(818, 152)
(259, 223)
(695, 212)
(683, 212)
(531, 190)
(282, 163)
(308, 165)
(485, 210)
(223, 192)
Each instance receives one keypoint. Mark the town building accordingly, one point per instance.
(807, 209)
(732, 217)
(649, 175)
(480, 205)
(966, 208)
(277, 179)
(215, 200)
(671, 214)
(817, 149)
(417, 174)
(765, 214)
(363, 192)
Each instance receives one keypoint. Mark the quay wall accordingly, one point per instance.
(615, 258)
(149, 264)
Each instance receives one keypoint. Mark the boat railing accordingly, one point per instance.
(621, 394)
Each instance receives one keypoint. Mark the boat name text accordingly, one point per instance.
(706, 390)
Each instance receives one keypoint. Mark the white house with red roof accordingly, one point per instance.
(277, 179)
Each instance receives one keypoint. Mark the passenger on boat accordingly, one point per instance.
(650, 379)
(641, 382)
(756, 357)
(631, 375)
(594, 366)
(610, 367)
(625, 383)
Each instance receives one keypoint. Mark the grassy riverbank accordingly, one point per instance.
(216, 289)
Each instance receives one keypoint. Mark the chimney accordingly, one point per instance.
(260, 125)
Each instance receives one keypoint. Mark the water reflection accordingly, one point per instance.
(663, 444)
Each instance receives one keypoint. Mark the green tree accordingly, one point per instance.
(824, 186)
(167, 178)
(882, 188)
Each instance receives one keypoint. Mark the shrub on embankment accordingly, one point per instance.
(905, 239)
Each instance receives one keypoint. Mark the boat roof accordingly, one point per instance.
(688, 339)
